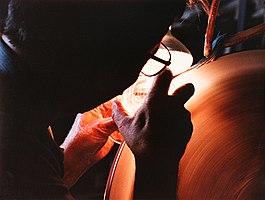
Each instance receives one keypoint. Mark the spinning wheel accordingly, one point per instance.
(225, 156)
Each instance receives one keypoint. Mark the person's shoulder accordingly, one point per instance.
(8, 59)
(4, 57)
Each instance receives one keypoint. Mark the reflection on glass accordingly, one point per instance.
(181, 59)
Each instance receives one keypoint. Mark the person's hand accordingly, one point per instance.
(157, 134)
(103, 111)
(88, 141)
(161, 124)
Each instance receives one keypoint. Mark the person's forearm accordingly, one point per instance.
(78, 160)
(74, 167)
(86, 143)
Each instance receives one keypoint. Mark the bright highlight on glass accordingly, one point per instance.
(172, 50)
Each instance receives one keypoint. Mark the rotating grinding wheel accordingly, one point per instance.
(225, 156)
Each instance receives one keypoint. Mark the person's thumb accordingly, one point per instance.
(106, 126)
(120, 117)
(183, 94)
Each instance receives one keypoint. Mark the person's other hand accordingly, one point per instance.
(88, 141)
(101, 112)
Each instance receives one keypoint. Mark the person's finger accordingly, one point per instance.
(117, 137)
(183, 94)
(106, 109)
(161, 84)
(105, 149)
(106, 126)
(120, 116)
